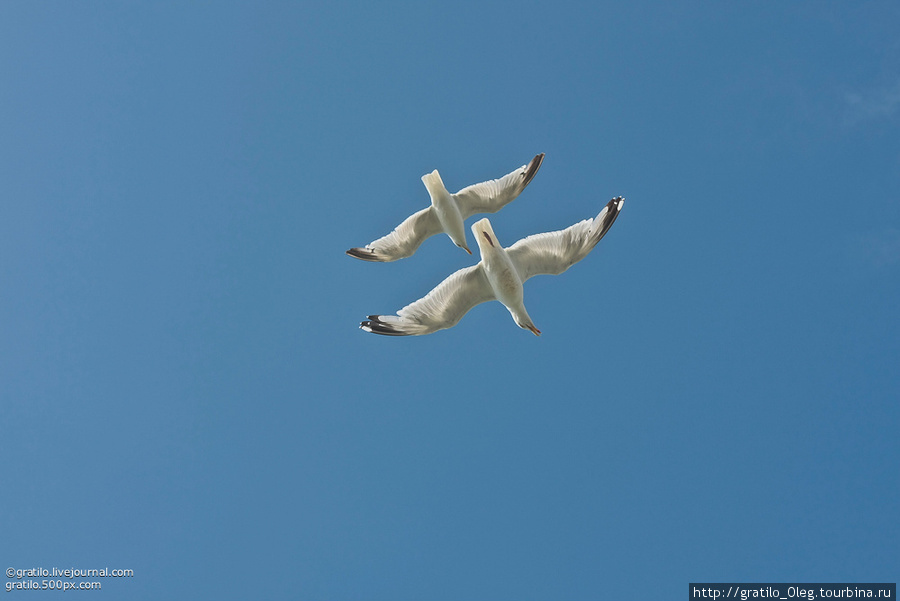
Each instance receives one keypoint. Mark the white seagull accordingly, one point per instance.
(499, 275)
(447, 213)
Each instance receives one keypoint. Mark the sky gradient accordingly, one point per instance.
(184, 386)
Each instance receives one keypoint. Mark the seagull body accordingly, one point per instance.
(446, 209)
(498, 276)
(448, 212)
(502, 275)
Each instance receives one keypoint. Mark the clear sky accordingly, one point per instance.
(184, 388)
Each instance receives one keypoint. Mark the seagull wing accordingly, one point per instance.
(493, 195)
(441, 308)
(404, 240)
(554, 252)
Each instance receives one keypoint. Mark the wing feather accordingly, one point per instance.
(403, 241)
(493, 195)
(441, 308)
(554, 252)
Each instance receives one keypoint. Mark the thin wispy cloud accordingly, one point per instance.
(876, 104)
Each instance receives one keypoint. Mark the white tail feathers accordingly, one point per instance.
(433, 183)
(484, 235)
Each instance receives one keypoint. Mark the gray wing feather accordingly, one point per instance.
(554, 252)
(493, 195)
(403, 241)
(441, 308)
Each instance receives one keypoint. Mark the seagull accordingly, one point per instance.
(447, 213)
(498, 276)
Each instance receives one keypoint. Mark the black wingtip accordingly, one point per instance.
(364, 254)
(612, 212)
(376, 326)
(532, 169)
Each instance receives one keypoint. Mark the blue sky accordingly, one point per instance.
(185, 390)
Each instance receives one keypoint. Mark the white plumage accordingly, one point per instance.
(447, 213)
(498, 276)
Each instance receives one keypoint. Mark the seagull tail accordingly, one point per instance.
(433, 183)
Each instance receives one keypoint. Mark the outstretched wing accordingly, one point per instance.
(404, 240)
(441, 308)
(554, 252)
(493, 195)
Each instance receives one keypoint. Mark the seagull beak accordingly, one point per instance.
(534, 330)
(466, 248)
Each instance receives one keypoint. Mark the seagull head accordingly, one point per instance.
(524, 322)
(521, 317)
